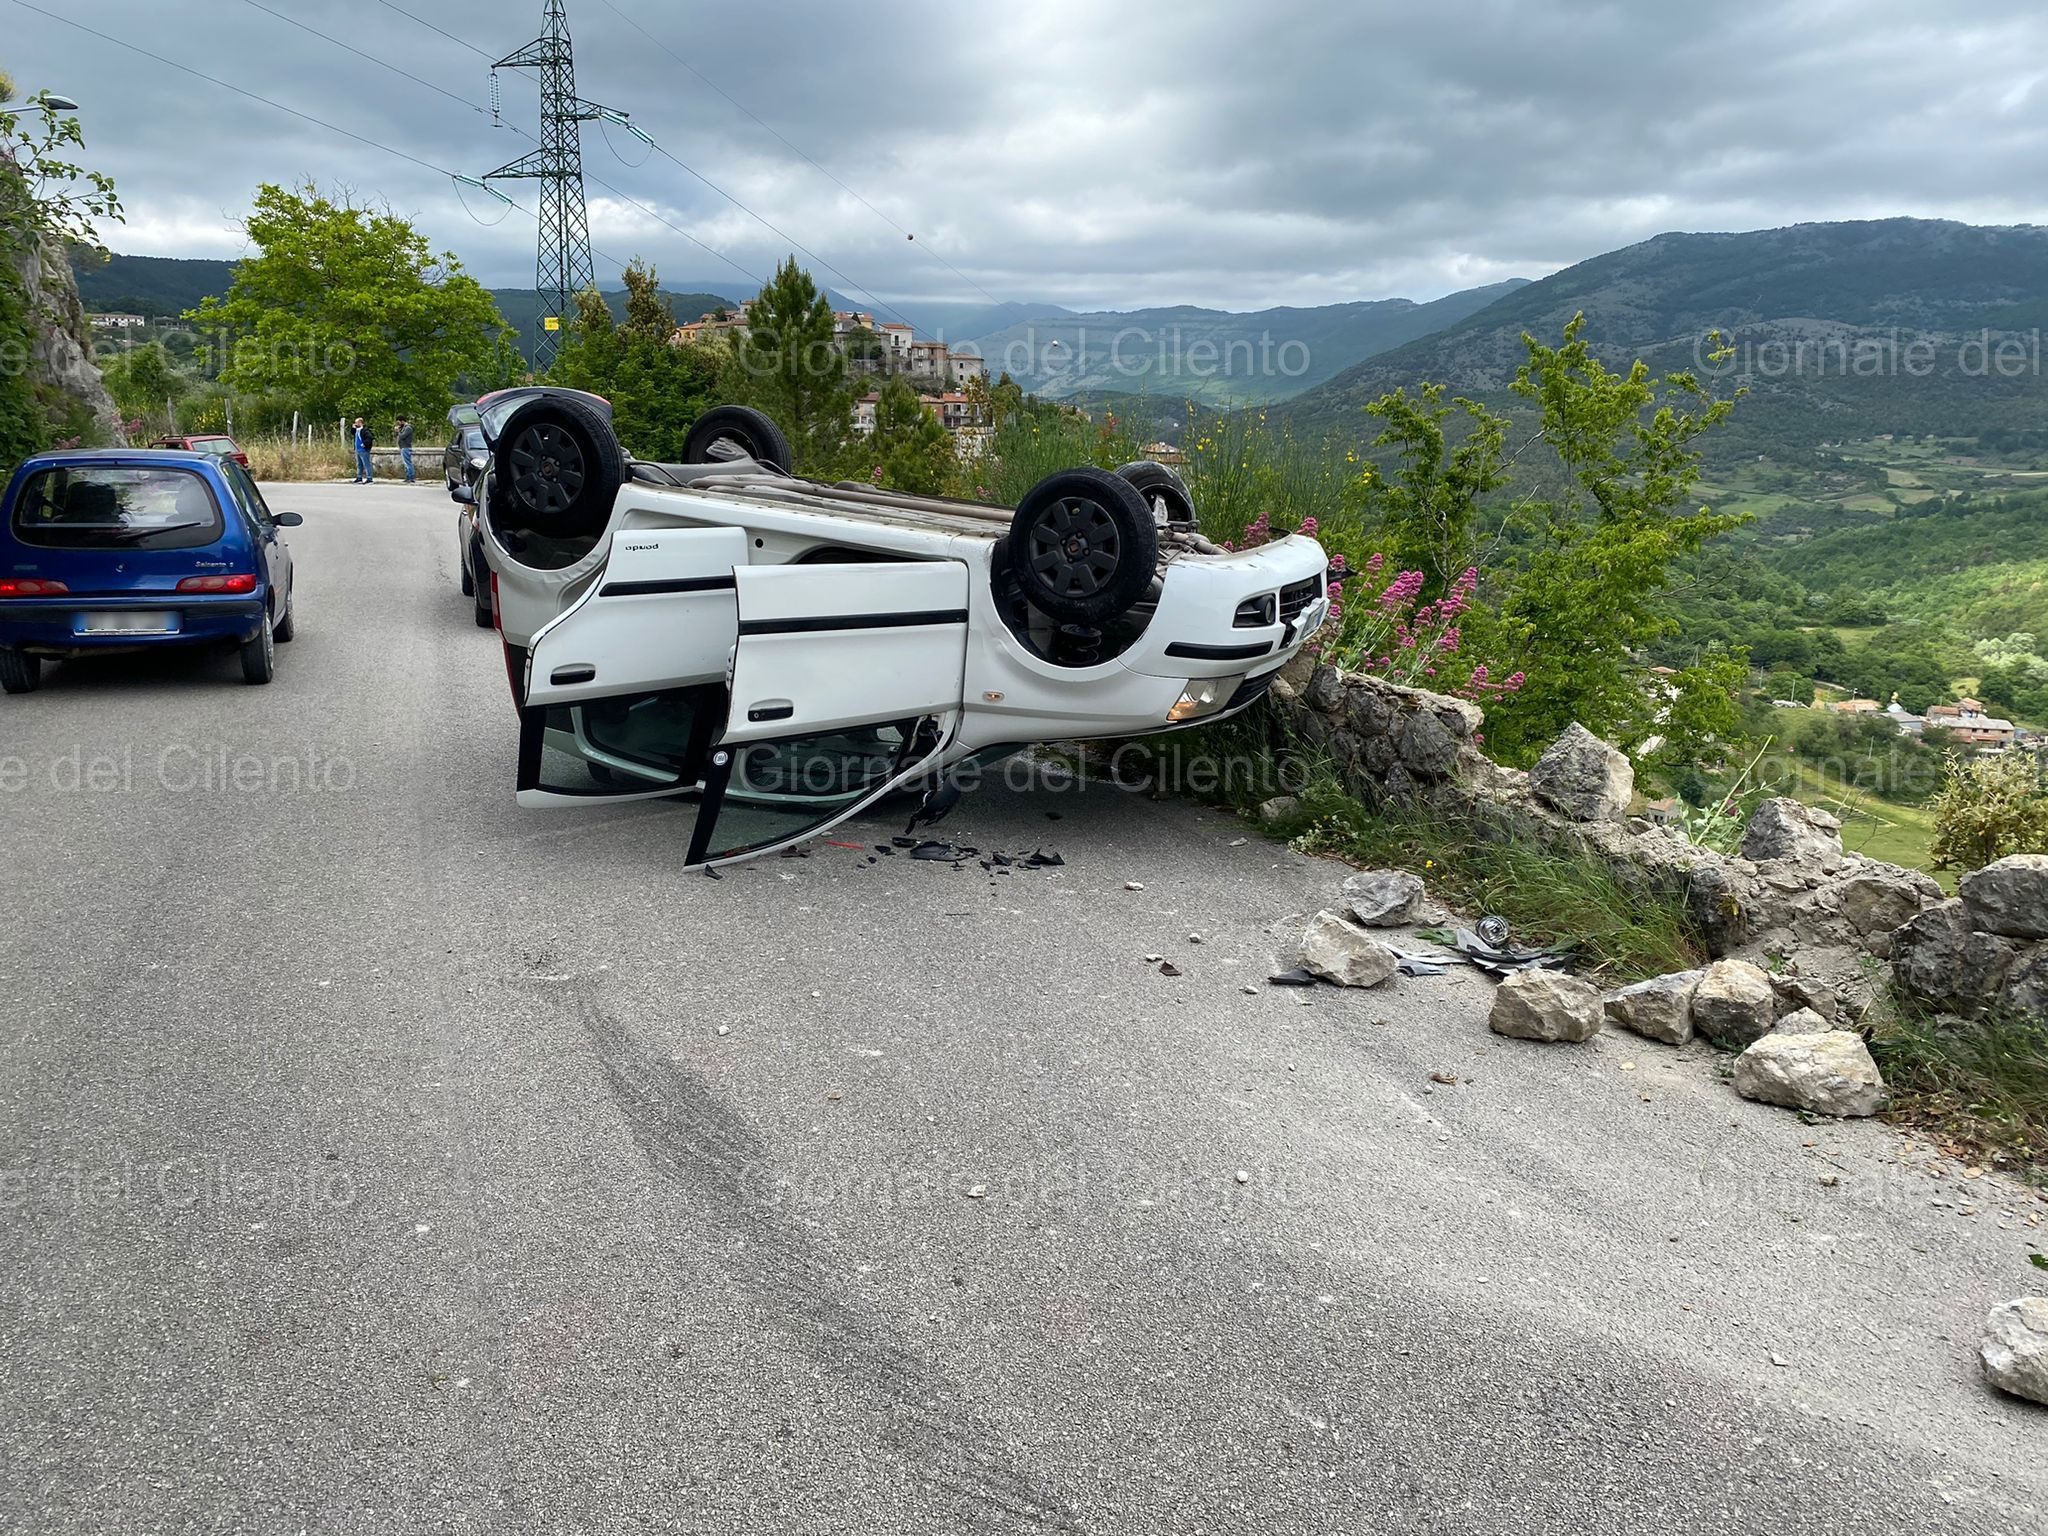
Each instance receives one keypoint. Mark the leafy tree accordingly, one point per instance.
(1701, 717)
(143, 379)
(791, 368)
(46, 202)
(348, 311)
(1429, 508)
(909, 447)
(1989, 807)
(1586, 588)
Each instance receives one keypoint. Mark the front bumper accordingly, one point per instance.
(1236, 613)
(55, 626)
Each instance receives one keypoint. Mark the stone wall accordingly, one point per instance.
(1823, 921)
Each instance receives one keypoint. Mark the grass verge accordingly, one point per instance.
(1978, 1089)
(1549, 897)
(279, 458)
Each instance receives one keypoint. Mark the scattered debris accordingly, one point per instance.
(1154, 959)
(1279, 808)
(725, 1029)
(1133, 885)
(1294, 978)
(1493, 929)
(1244, 1176)
(1500, 960)
(1252, 991)
(1169, 969)
(1448, 1079)
(977, 1191)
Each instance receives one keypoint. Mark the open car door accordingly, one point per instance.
(846, 682)
(625, 691)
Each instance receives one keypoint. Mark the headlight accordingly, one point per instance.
(1203, 696)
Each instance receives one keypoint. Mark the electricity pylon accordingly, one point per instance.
(563, 268)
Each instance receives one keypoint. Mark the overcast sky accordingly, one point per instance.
(1108, 154)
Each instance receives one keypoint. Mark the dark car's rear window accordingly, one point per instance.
(99, 506)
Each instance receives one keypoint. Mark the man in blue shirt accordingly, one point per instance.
(365, 470)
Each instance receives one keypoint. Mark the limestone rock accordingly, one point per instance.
(1803, 1021)
(2026, 985)
(1278, 809)
(1657, 1009)
(1829, 1073)
(1783, 828)
(1734, 1004)
(1582, 776)
(1938, 959)
(1384, 898)
(1337, 951)
(1797, 994)
(1879, 898)
(2015, 1348)
(1717, 904)
(2009, 898)
(1545, 1005)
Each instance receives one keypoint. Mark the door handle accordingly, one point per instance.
(565, 677)
(774, 709)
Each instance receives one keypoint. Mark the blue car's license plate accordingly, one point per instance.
(125, 624)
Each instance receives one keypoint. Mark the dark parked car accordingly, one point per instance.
(463, 460)
(129, 548)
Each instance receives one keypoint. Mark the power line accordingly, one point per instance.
(769, 128)
(336, 42)
(305, 117)
(475, 107)
(684, 165)
(408, 15)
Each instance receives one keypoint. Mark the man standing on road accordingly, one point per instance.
(365, 470)
(405, 448)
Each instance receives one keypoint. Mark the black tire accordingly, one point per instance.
(737, 432)
(1164, 491)
(559, 467)
(1083, 546)
(19, 673)
(480, 589)
(287, 627)
(259, 657)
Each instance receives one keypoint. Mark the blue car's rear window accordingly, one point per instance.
(100, 506)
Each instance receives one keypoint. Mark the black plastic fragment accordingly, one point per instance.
(1294, 978)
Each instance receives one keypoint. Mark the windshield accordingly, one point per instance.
(100, 506)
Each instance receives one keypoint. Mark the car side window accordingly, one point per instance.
(246, 500)
(255, 493)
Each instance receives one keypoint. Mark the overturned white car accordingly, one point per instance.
(784, 653)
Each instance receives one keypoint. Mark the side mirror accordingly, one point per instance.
(288, 520)
(463, 494)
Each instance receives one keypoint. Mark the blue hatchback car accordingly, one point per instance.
(125, 548)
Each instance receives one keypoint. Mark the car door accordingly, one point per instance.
(625, 691)
(846, 682)
(270, 549)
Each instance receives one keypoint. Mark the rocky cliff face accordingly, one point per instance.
(60, 355)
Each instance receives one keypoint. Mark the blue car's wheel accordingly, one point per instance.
(259, 656)
(19, 673)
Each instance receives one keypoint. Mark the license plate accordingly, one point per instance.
(126, 624)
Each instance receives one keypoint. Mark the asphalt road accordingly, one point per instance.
(377, 1157)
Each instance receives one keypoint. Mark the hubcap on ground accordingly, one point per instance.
(1074, 547)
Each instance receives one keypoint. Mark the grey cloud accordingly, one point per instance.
(1096, 155)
